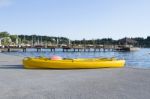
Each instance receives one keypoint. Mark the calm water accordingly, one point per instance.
(137, 59)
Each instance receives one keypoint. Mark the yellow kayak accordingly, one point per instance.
(43, 63)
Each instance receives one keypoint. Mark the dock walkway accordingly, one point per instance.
(120, 83)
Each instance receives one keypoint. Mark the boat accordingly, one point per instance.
(126, 48)
(78, 63)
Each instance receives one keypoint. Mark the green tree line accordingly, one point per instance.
(140, 41)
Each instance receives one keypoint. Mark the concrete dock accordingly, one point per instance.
(120, 83)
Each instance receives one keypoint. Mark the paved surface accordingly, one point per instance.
(19, 83)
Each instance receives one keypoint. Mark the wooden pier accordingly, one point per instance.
(72, 48)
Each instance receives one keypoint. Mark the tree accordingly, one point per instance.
(4, 34)
(13, 38)
(6, 41)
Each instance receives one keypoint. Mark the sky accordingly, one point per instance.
(76, 19)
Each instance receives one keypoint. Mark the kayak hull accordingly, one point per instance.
(71, 64)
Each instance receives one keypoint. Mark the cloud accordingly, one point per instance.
(5, 3)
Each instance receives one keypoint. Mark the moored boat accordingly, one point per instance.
(45, 63)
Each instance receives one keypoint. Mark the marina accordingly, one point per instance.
(71, 48)
(75, 49)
